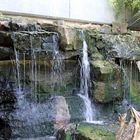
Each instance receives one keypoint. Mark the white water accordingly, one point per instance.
(18, 84)
(85, 81)
(57, 64)
(17, 71)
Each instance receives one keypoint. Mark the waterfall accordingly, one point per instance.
(57, 63)
(85, 81)
(18, 85)
(125, 83)
(17, 70)
(33, 114)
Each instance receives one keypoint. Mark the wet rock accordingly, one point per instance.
(71, 55)
(29, 41)
(106, 92)
(75, 105)
(120, 46)
(5, 130)
(47, 84)
(114, 46)
(6, 53)
(107, 81)
(7, 76)
(70, 38)
(88, 132)
(20, 24)
(5, 39)
(93, 132)
(6, 45)
(67, 133)
(102, 69)
(7, 100)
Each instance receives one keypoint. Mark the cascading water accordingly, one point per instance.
(32, 116)
(126, 84)
(85, 81)
(57, 64)
(17, 71)
(19, 92)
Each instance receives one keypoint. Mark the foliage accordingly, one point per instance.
(122, 7)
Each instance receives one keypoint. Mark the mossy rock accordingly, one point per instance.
(106, 92)
(90, 37)
(107, 81)
(135, 92)
(75, 105)
(91, 132)
(101, 69)
(94, 132)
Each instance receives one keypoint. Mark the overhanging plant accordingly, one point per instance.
(125, 9)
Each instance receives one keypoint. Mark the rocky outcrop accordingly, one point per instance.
(87, 132)
(107, 81)
(37, 45)
(106, 52)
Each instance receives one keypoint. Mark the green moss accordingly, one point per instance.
(95, 132)
(135, 92)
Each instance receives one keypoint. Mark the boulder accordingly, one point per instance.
(95, 132)
(107, 81)
(101, 69)
(85, 131)
(62, 116)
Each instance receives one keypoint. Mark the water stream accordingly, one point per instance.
(31, 116)
(57, 63)
(84, 85)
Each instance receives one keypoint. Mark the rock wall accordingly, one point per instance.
(106, 49)
(114, 60)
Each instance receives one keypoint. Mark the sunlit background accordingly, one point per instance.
(92, 10)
